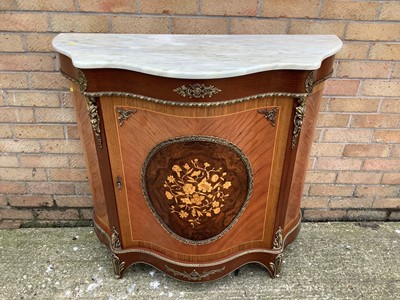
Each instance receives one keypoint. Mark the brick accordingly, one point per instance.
(382, 164)
(396, 71)
(315, 202)
(23, 22)
(69, 214)
(323, 215)
(8, 160)
(67, 174)
(391, 178)
(82, 188)
(22, 174)
(34, 98)
(44, 161)
(66, 99)
(353, 50)
(20, 62)
(326, 149)
(19, 146)
(369, 150)
(170, 7)
(354, 104)
(10, 80)
(62, 146)
(366, 215)
(358, 178)
(229, 8)
(258, 26)
(30, 200)
(393, 203)
(317, 27)
(290, 9)
(382, 51)
(72, 133)
(48, 81)
(333, 120)
(12, 187)
(11, 43)
(79, 23)
(124, 6)
(377, 31)
(331, 190)
(376, 121)
(73, 201)
(39, 131)
(46, 5)
(390, 88)
(50, 188)
(320, 177)
(330, 163)
(77, 161)
(394, 216)
(387, 136)
(200, 26)
(7, 5)
(86, 214)
(55, 115)
(347, 135)
(16, 115)
(395, 151)
(134, 24)
(10, 213)
(39, 42)
(351, 10)
(3, 201)
(390, 11)
(5, 131)
(363, 69)
(340, 87)
(350, 202)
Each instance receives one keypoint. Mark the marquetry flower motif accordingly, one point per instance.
(196, 191)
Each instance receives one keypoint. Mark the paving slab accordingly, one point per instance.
(326, 261)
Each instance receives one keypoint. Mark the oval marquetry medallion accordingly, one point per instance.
(197, 187)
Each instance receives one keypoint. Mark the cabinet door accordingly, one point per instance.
(196, 181)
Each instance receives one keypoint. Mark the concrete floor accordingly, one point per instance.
(327, 261)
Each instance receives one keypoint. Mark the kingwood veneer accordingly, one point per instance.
(197, 146)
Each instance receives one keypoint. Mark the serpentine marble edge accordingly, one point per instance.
(197, 56)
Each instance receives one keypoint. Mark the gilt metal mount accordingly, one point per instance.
(197, 90)
(194, 275)
(124, 115)
(270, 114)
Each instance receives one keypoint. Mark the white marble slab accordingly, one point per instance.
(197, 56)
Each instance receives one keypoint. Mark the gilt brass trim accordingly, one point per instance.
(123, 115)
(211, 139)
(197, 90)
(278, 240)
(276, 266)
(194, 275)
(298, 118)
(94, 116)
(309, 82)
(270, 114)
(118, 266)
(115, 241)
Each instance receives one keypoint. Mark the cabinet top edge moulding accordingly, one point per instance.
(196, 56)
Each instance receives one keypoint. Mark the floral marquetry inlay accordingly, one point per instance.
(196, 190)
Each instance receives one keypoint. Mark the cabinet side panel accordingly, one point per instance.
(90, 153)
(302, 158)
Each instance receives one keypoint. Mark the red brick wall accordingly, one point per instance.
(354, 168)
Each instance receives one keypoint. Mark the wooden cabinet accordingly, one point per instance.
(195, 176)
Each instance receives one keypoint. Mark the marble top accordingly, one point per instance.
(197, 56)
